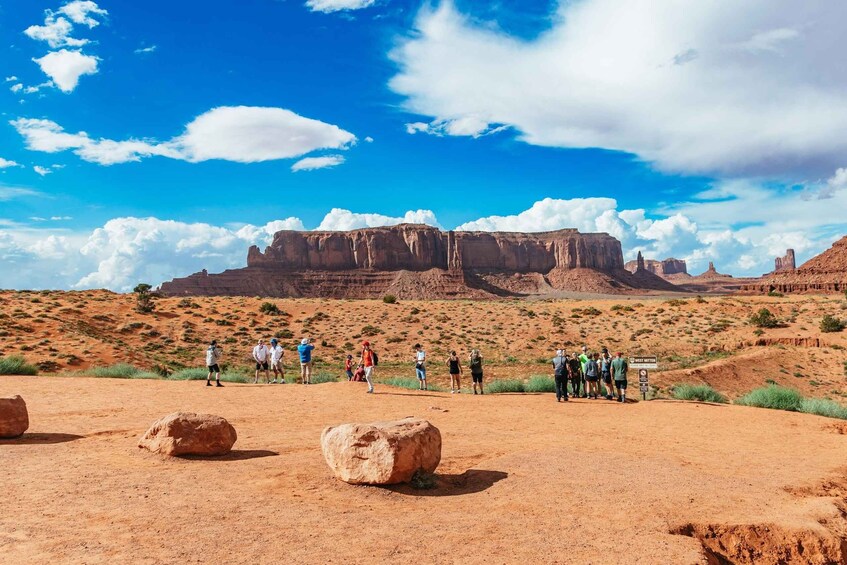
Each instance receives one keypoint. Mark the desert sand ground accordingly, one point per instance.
(523, 479)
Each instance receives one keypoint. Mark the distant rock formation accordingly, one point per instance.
(824, 273)
(667, 268)
(785, 263)
(417, 261)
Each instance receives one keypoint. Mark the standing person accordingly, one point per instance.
(348, 367)
(420, 365)
(277, 352)
(260, 356)
(305, 351)
(475, 365)
(455, 373)
(606, 374)
(560, 373)
(619, 369)
(213, 357)
(575, 372)
(592, 376)
(583, 361)
(367, 362)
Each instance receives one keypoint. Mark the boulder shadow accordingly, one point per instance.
(469, 482)
(40, 439)
(234, 455)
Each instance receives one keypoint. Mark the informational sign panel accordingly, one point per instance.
(643, 382)
(644, 362)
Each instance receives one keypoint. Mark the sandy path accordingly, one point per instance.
(522, 479)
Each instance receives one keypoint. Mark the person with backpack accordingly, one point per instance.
(475, 365)
(420, 365)
(619, 369)
(277, 353)
(560, 374)
(305, 351)
(606, 374)
(368, 362)
(592, 376)
(213, 357)
(455, 373)
(575, 374)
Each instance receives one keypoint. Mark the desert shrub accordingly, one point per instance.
(370, 330)
(831, 324)
(701, 392)
(122, 371)
(764, 318)
(505, 385)
(16, 365)
(772, 396)
(540, 383)
(200, 373)
(410, 383)
(269, 308)
(319, 378)
(775, 294)
(389, 299)
(823, 407)
(284, 334)
(143, 298)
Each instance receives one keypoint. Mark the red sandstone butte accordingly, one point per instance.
(824, 273)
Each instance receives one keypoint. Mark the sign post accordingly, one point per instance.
(643, 382)
(643, 363)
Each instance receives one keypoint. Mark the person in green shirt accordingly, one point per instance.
(583, 361)
(619, 368)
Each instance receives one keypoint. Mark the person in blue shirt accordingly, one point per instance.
(305, 350)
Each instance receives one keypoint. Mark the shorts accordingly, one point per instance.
(592, 379)
(278, 366)
(607, 378)
(261, 366)
(420, 372)
(621, 384)
(454, 374)
(349, 375)
(477, 377)
(214, 368)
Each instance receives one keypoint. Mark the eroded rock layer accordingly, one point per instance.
(824, 273)
(416, 261)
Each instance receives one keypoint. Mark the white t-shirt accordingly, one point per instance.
(260, 353)
(213, 355)
(276, 353)
(421, 356)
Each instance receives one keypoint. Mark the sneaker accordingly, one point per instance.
(370, 391)
(220, 385)
(208, 383)
(282, 381)
(474, 392)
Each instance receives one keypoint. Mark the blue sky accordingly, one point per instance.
(134, 155)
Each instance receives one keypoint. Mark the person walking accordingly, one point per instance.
(455, 373)
(305, 351)
(575, 374)
(277, 352)
(213, 357)
(260, 356)
(606, 374)
(475, 365)
(592, 376)
(348, 367)
(560, 374)
(366, 360)
(619, 369)
(420, 365)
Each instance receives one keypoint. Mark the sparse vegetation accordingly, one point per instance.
(319, 378)
(773, 396)
(505, 385)
(199, 374)
(16, 365)
(408, 383)
(389, 299)
(269, 308)
(764, 318)
(143, 298)
(701, 392)
(823, 407)
(540, 383)
(121, 371)
(831, 324)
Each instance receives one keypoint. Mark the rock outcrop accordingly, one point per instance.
(382, 453)
(668, 269)
(824, 273)
(417, 261)
(186, 433)
(14, 418)
(785, 263)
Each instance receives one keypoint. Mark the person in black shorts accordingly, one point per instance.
(455, 373)
(213, 357)
(575, 374)
(475, 365)
(606, 374)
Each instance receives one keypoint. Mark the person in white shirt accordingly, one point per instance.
(213, 357)
(276, 361)
(420, 365)
(260, 356)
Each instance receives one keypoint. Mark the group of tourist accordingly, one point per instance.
(583, 371)
(586, 371)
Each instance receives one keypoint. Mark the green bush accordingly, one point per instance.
(408, 383)
(16, 365)
(831, 324)
(121, 371)
(540, 383)
(389, 299)
(505, 385)
(319, 378)
(764, 318)
(701, 392)
(772, 396)
(269, 308)
(823, 407)
(199, 374)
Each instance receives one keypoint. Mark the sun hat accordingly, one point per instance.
(304, 341)
(366, 343)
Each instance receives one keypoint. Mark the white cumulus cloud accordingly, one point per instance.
(313, 163)
(339, 219)
(6, 163)
(43, 171)
(328, 6)
(64, 67)
(81, 12)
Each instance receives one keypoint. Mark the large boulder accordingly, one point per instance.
(186, 433)
(14, 419)
(381, 453)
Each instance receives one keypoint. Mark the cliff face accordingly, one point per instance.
(785, 263)
(664, 268)
(824, 273)
(414, 261)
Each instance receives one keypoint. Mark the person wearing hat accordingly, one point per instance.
(260, 356)
(305, 351)
(367, 362)
(277, 353)
(213, 356)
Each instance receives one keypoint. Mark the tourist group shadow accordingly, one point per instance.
(469, 482)
(40, 439)
(234, 455)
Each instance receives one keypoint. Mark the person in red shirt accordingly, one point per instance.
(367, 361)
(348, 367)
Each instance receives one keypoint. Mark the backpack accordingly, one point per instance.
(375, 357)
(476, 365)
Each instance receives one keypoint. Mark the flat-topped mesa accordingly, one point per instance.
(420, 248)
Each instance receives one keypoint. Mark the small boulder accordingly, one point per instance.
(14, 419)
(381, 453)
(186, 433)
